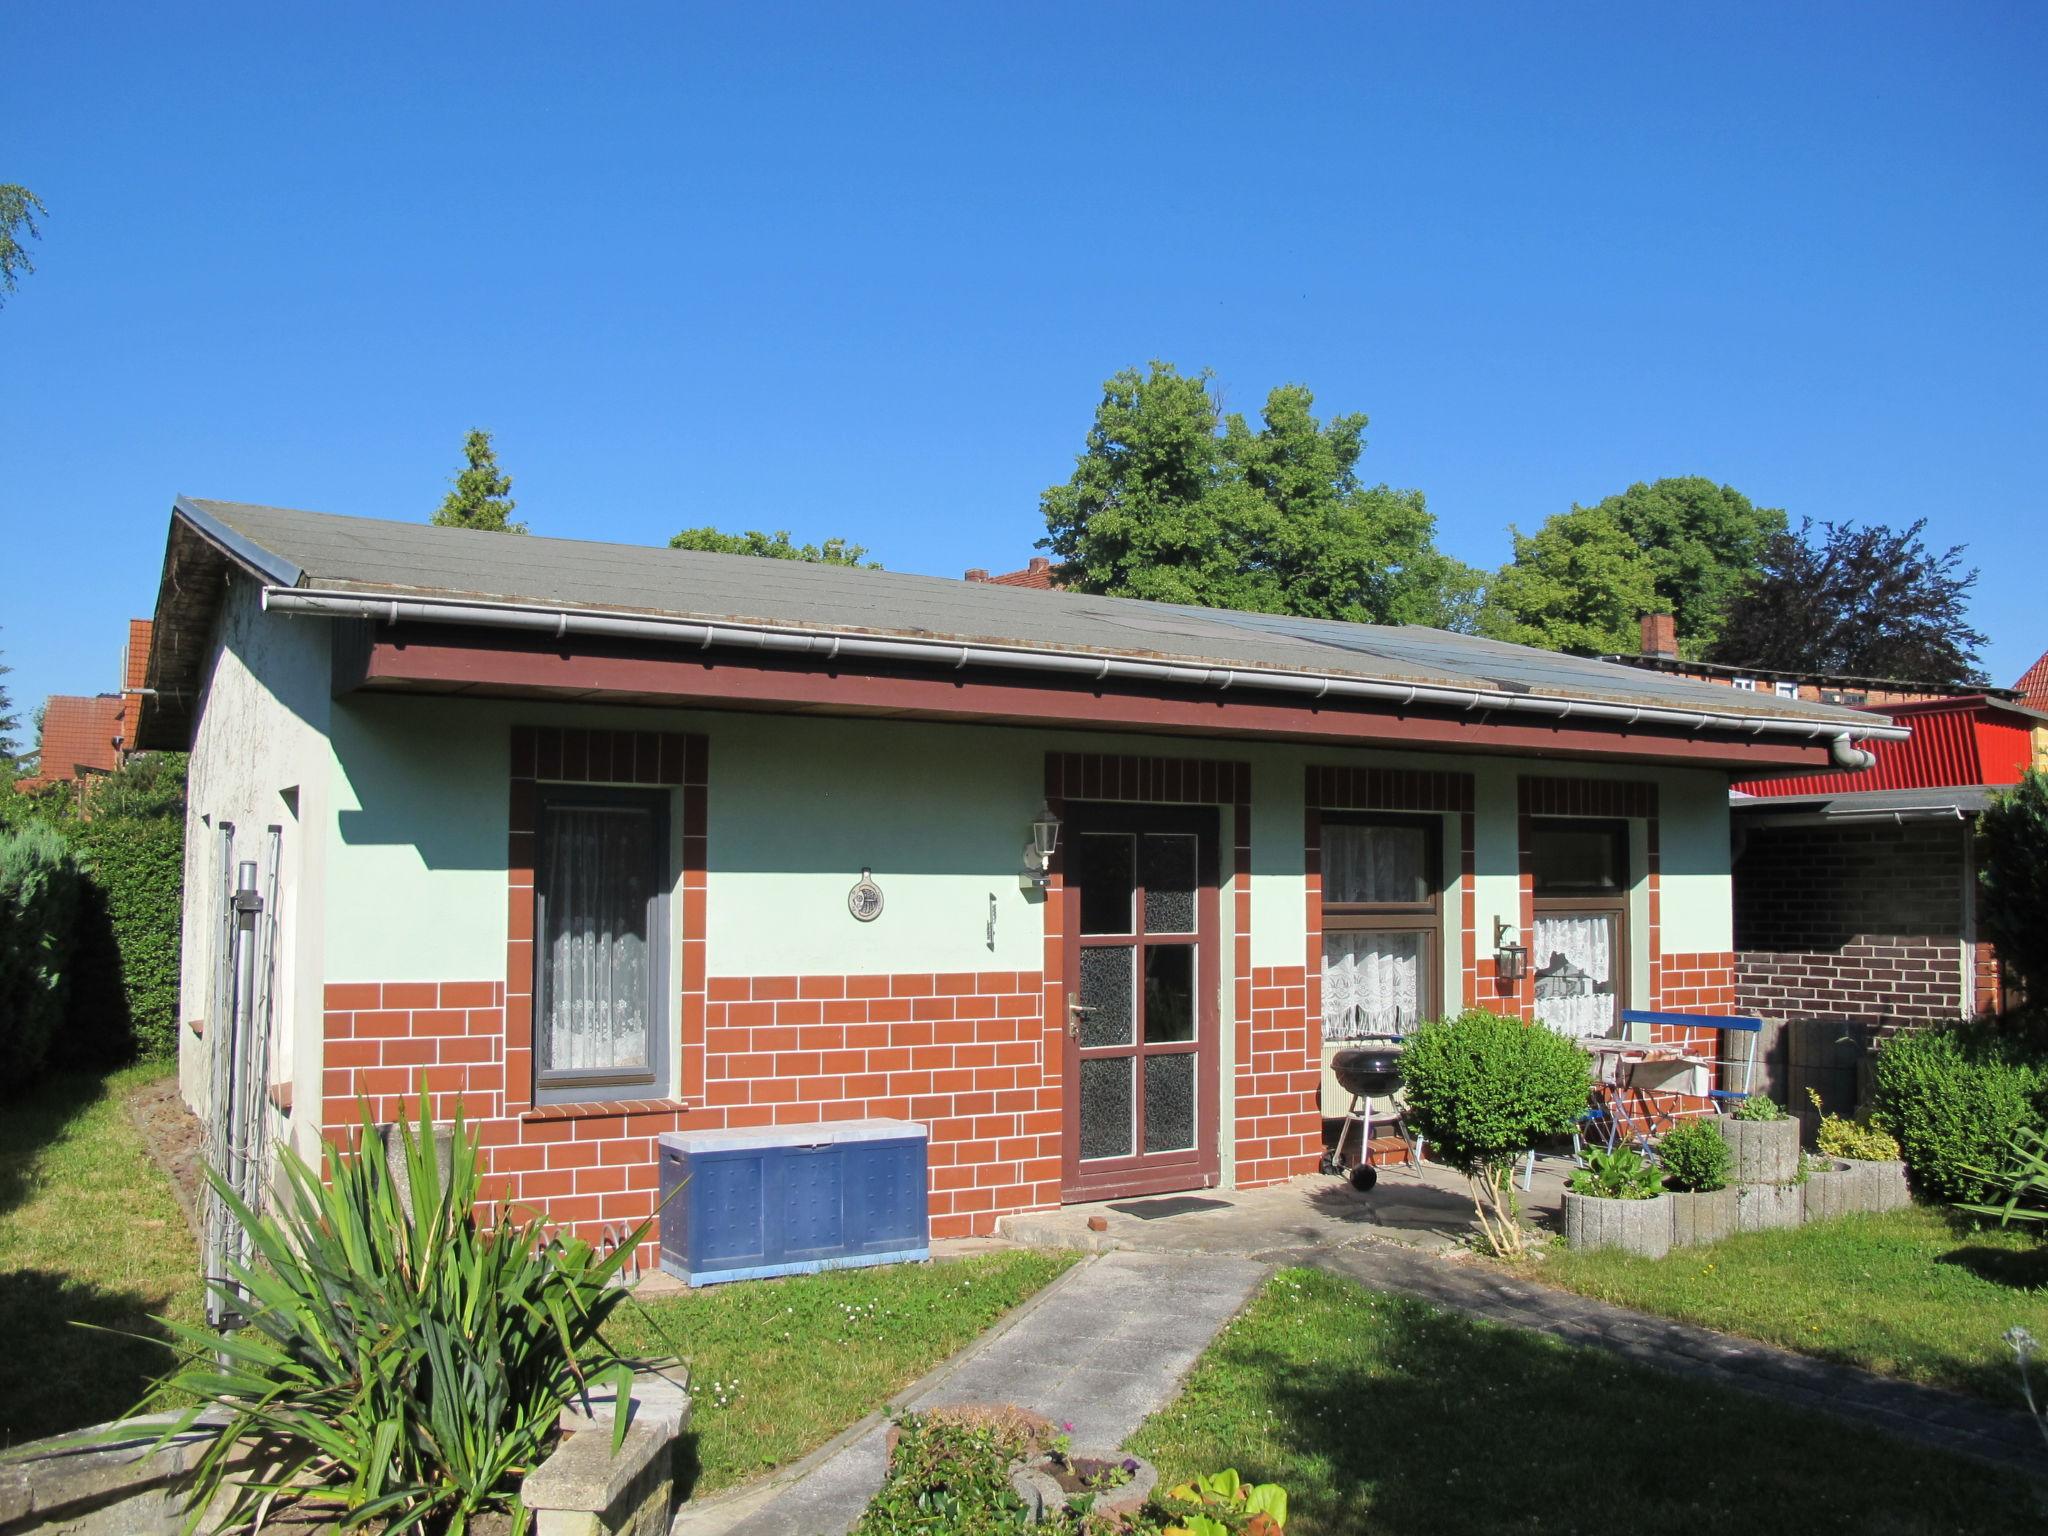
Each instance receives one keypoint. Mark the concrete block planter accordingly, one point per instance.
(1763, 1207)
(1039, 1484)
(1765, 1151)
(1833, 1188)
(1640, 1227)
(1884, 1184)
(1703, 1217)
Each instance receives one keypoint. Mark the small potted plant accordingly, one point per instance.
(1617, 1201)
(1871, 1154)
(1696, 1165)
(1764, 1139)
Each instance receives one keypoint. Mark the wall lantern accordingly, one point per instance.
(1509, 956)
(1045, 837)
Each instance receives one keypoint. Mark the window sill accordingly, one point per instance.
(585, 1109)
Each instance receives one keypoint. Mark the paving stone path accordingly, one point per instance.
(1102, 1347)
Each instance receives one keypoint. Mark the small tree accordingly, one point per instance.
(18, 210)
(774, 546)
(2013, 913)
(9, 724)
(482, 497)
(1481, 1088)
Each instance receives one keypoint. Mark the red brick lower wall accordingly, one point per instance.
(962, 1053)
(1279, 1121)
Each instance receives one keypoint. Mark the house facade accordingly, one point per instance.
(600, 843)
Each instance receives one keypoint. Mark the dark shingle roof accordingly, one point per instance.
(322, 551)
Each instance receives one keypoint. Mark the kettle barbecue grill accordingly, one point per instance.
(1366, 1072)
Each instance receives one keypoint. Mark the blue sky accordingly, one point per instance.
(861, 270)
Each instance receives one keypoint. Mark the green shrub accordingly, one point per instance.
(1482, 1089)
(1861, 1140)
(1759, 1106)
(403, 1361)
(2017, 1186)
(1695, 1156)
(39, 884)
(1954, 1099)
(2012, 911)
(1622, 1174)
(137, 869)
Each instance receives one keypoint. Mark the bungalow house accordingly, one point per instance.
(611, 841)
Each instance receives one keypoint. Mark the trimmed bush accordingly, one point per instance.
(125, 996)
(2013, 909)
(39, 885)
(1954, 1100)
(1482, 1088)
(1695, 1156)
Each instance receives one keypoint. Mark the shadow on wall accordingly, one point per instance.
(75, 1354)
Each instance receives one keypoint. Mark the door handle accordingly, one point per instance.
(1076, 1012)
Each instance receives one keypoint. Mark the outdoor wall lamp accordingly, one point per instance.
(1045, 837)
(1509, 955)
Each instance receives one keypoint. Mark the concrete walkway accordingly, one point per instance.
(1103, 1347)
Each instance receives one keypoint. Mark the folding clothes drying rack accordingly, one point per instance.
(1617, 1123)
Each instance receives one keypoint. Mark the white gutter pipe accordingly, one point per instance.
(562, 622)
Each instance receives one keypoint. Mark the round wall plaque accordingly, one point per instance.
(864, 901)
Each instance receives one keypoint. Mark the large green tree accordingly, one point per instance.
(1864, 601)
(774, 546)
(18, 210)
(1682, 545)
(9, 722)
(482, 497)
(1174, 501)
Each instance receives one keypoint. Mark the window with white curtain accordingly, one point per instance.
(600, 942)
(1381, 887)
(1579, 872)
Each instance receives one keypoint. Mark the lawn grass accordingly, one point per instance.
(777, 1367)
(1380, 1413)
(89, 1234)
(1914, 1293)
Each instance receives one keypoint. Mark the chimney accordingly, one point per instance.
(977, 574)
(1660, 635)
(1040, 563)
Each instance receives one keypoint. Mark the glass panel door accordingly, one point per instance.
(1142, 979)
(1576, 959)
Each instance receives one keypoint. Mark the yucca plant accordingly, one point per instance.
(400, 1361)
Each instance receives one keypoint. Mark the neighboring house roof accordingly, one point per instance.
(416, 572)
(81, 735)
(1847, 682)
(1974, 739)
(1957, 801)
(2033, 684)
(1039, 574)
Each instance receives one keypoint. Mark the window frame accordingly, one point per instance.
(600, 1084)
(1403, 917)
(1611, 904)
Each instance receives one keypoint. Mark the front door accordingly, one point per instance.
(1141, 1000)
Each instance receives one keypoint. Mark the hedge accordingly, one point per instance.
(39, 898)
(125, 998)
(1953, 1098)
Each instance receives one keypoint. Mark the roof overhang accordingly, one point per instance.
(1959, 802)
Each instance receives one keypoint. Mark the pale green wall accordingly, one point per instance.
(798, 806)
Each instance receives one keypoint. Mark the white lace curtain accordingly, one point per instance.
(1372, 984)
(1375, 864)
(594, 871)
(1573, 961)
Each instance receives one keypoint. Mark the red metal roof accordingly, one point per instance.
(1972, 740)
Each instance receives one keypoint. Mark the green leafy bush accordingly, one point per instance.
(1954, 1098)
(1759, 1106)
(1482, 1088)
(1622, 1174)
(1861, 1140)
(39, 885)
(406, 1361)
(136, 866)
(2013, 873)
(1695, 1156)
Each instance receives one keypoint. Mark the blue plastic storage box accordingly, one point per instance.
(789, 1199)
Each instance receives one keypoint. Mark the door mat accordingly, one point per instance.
(1172, 1205)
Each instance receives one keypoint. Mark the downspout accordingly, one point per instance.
(1845, 754)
